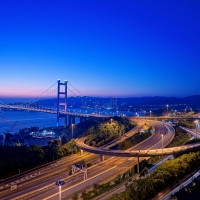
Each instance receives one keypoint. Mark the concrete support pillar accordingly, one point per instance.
(81, 152)
(69, 120)
(85, 174)
(138, 165)
(102, 158)
(73, 169)
(73, 120)
(66, 120)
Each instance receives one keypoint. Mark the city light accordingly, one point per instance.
(196, 125)
(72, 130)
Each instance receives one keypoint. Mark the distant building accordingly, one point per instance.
(113, 103)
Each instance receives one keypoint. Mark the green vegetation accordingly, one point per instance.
(190, 113)
(187, 123)
(165, 175)
(15, 159)
(99, 189)
(153, 160)
(107, 131)
(74, 196)
(181, 137)
(135, 139)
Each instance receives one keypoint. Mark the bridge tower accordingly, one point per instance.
(61, 100)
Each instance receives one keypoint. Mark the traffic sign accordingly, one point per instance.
(60, 183)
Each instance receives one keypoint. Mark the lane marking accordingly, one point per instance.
(89, 179)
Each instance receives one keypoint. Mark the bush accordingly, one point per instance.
(105, 132)
(165, 175)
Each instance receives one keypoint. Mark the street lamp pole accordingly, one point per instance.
(59, 184)
(59, 192)
(150, 113)
(72, 130)
(196, 130)
(196, 122)
(162, 146)
(167, 109)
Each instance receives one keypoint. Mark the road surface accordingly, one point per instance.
(45, 188)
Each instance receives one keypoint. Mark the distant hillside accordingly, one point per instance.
(131, 101)
(147, 100)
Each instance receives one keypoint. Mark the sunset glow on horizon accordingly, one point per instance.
(104, 48)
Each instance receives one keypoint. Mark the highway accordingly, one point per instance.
(192, 132)
(110, 169)
(39, 176)
(61, 164)
(44, 187)
(141, 150)
(165, 194)
(122, 188)
(58, 169)
(189, 117)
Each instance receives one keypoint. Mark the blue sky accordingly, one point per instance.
(104, 48)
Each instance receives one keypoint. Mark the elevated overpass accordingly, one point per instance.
(192, 117)
(136, 153)
(155, 150)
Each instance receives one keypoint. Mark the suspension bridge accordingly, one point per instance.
(55, 100)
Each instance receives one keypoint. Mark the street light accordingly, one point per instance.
(162, 146)
(123, 131)
(59, 184)
(150, 113)
(72, 130)
(196, 122)
(111, 120)
(167, 109)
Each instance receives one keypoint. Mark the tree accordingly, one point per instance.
(96, 189)
(74, 196)
(7, 139)
(54, 143)
(144, 172)
(85, 195)
(118, 179)
(64, 139)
